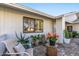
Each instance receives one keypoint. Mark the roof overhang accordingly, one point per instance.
(74, 22)
(23, 8)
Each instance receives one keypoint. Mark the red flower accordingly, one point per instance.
(55, 35)
(52, 35)
(49, 35)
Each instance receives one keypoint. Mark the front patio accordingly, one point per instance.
(71, 49)
(33, 24)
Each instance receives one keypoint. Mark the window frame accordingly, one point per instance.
(34, 25)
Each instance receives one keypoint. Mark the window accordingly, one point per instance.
(32, 25)
(38, 26)
(69, 28)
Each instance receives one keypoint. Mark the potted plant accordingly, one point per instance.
(52, 38)
(42, 40)
(39, 38)
(52, 50)
(68, 36)
(75, 34)
(35, 39)
(23, 40)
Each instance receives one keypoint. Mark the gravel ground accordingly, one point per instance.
(39, 51)
(71, 49)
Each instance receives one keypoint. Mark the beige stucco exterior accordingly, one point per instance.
(11, 21)
(60, 27)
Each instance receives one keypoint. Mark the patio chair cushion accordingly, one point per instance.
(19, 48)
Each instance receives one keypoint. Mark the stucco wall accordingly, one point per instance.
(75, 26)
(60, 26)
(11, 21)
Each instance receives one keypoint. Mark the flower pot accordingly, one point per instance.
(51, 51)
(52, 43)
(35, 43)
(66, 41)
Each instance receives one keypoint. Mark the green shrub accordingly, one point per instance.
(75, 34)
(72, 34)
(36, 37)
(68, 34)
(22, 39)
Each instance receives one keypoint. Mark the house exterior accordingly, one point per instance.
(17, 18)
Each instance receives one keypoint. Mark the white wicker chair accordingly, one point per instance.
(10, 43)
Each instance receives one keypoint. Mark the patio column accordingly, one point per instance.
(60, 27)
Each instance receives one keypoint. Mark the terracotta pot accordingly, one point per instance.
(51, 51)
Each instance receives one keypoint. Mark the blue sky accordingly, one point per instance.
(54, 8)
